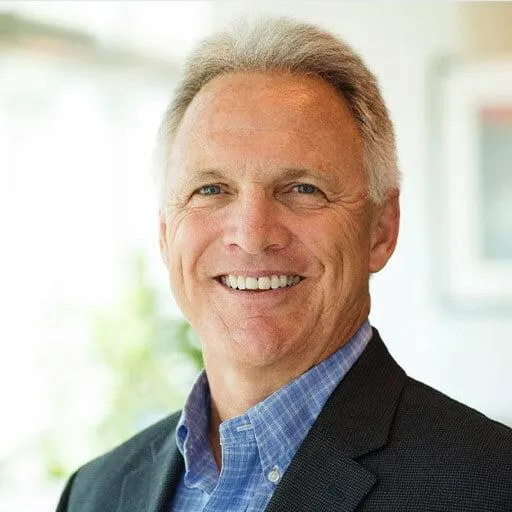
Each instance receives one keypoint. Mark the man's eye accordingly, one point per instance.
(305, 188)
(210, 190)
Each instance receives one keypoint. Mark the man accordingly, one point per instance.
(279, 197)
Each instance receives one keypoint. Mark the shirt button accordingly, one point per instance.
(274, 475)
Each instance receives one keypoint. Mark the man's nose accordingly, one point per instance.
(256, 223)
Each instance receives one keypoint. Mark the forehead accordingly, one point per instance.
(263, 119)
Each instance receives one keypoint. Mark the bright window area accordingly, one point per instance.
(82, 88)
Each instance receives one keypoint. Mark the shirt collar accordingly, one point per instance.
(192, 437)
(283, 419)
(279, 423)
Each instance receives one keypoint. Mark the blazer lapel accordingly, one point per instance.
(319, 478)
(324, 474)
(150, 486)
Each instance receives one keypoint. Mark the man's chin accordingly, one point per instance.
(254, 346)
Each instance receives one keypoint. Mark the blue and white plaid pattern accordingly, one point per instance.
(257, 446)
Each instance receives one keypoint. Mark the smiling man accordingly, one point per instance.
(279, 198)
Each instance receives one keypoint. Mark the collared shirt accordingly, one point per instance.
(257, 446)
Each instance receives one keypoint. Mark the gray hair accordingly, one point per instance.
(282, 44)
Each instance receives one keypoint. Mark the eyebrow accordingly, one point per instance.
(206, 174)
(325, 179)
(291, 173)
(200, 176)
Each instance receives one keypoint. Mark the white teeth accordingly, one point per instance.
(251, 283)
(259, 283)
(263, 283)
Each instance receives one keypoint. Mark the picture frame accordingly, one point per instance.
(475, 143)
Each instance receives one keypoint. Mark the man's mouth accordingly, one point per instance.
(263, 283)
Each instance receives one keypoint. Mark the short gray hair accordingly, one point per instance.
(282, 44)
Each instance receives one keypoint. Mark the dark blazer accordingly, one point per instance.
(383, 442)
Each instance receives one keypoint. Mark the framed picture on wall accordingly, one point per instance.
(476, 176)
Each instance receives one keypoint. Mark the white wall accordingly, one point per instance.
(468, 356)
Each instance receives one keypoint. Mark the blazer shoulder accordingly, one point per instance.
(440, 416)
(97, 485)
(130, 451)
(441, 455)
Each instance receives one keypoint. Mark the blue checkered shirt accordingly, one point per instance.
(257, 446)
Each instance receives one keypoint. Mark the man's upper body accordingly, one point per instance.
(383, 442)
(279, 197)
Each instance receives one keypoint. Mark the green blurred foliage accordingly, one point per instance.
(148, 359)
(144, 350)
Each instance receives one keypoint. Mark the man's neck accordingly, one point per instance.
(234, 392)
(235, 388)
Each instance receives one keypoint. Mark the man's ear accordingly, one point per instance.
(384, 232)
(163, 236)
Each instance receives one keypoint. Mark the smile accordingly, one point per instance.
(259, 283)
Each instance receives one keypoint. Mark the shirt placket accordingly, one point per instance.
(240, 467)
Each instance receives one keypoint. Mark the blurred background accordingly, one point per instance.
(93, 347)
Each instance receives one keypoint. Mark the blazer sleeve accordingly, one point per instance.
(64, 498)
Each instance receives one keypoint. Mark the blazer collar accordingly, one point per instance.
(151, 485)
(356, 420)
(324, 474)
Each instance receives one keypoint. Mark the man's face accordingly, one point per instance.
(266, 180)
